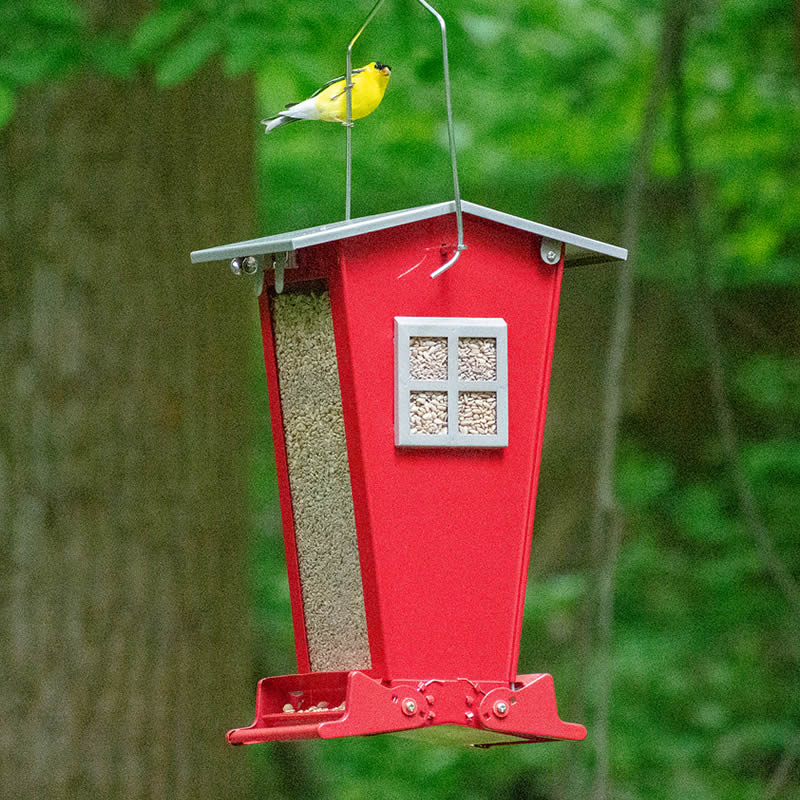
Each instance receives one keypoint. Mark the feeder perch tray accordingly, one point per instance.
(327, 705)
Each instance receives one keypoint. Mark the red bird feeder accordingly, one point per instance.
(408, 416)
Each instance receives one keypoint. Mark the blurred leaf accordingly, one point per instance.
(771, 383)
(748, 746)
(34, 64)
(485, 30)
(699, 514)
(642, 477)
(773, 461)
(245, 49)
(112, 56)
(155, 30)
(7, 105)
(188, 55)
(55, 13)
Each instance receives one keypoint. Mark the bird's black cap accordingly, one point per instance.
(378, 65)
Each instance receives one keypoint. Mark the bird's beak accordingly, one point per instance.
(386, 71)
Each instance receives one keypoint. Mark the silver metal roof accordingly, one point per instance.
(579, 249)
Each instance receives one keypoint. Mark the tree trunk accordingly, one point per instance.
(123, 440)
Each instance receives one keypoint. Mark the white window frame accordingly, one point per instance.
(453, 329)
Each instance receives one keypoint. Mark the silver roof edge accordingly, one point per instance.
(581, 242)
(295, 240)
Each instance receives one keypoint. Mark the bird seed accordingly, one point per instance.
(477, 413)
(477, 358)
(319, 478)
(428, 412)
(427, 358)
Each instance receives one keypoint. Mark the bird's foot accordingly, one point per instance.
(348, 124)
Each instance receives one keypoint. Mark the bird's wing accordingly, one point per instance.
(336, 80)
(300, 102)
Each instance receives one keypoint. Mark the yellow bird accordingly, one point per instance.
(329, 103)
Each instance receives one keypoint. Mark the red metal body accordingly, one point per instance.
(493, 712)
(444, 535)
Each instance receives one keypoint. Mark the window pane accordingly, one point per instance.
(477, 359)
(477, 413)
(427, 358)
(428, 412)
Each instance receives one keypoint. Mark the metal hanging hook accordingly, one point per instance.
(450, 131)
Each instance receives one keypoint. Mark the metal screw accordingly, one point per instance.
(250, 265)
(469, 716)
(500, 708)
(551, 256)
(236, 266)
(409, 707)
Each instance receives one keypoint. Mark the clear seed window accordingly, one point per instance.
(451, 382)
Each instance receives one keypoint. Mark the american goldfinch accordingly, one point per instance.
(329, 103)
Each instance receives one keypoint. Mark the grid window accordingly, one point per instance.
(451, 382)
(427, 358)
(477, 413)
(477, 358)
(427, 413)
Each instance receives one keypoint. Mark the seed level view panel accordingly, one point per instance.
(451, 382)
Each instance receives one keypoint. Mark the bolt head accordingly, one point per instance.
(250, 265)
(409, 707)
(500, 708)
(551, 255)
(236, 266)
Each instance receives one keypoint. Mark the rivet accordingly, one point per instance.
(470, 716)
(236, 266)
(500, 708)
(550, 251)
(429, 698)
(409, 707)
(468, 700)
(250, 265)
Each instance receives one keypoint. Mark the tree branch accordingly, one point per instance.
(701, 307)
(595, 637)
(783, 771)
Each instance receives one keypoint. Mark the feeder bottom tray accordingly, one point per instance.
(325, 705)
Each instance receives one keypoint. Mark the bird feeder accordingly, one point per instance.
(408, 416)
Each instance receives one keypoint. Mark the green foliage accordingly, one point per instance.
(38, 41)
(7, 104)
(642, 477)
(770, 384)
(187, 55)
(159, 30)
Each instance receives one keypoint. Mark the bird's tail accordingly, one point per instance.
(276, 122)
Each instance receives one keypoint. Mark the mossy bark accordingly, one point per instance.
(123, 440)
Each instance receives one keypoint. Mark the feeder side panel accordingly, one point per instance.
(537, 455)
(355, 448)
(314, 267)
(449, 528)
(284, 490)
(319, 477)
